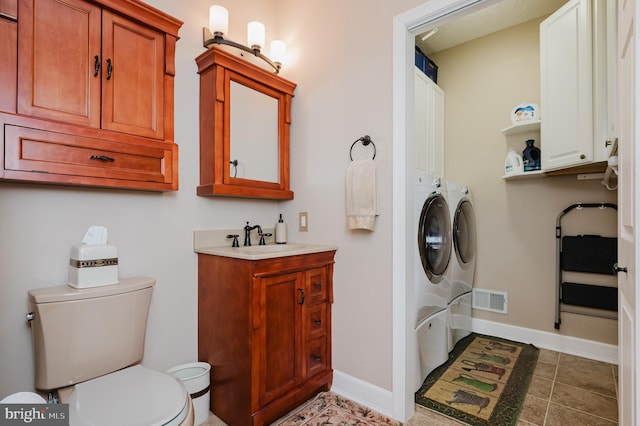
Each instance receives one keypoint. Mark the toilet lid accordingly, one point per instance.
(132, 396)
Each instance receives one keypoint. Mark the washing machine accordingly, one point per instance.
(432, 286)
(463, 260)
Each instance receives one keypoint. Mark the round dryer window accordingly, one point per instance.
(434, 237)
(464, 233)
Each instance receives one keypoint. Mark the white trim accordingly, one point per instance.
(362, 392)
(543, 339)
(403, 122)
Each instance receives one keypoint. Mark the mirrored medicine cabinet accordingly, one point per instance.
(245, 117)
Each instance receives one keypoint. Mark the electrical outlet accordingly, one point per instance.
(303, 221)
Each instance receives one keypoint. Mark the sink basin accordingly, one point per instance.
(265, 252)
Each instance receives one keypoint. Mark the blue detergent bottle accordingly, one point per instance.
(531, 156)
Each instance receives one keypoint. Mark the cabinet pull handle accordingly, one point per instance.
(109, 68)
(102, 158)
(317, 322)
(96, 65)
(301, 302)
(316, 358)
(317, 285)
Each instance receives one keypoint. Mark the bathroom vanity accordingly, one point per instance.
(264, 325)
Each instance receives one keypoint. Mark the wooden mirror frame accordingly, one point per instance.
(217, 68)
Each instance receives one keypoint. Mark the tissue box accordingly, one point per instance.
(93, 265)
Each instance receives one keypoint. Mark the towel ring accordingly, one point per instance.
(366, 140)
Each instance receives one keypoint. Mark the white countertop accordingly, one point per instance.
(257, 252)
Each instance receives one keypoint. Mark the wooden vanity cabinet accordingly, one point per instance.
(265, 328)
(95, 85)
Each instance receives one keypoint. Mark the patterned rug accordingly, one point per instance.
(483, 383)
(327, 408)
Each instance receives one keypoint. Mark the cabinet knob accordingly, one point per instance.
(582, 156)
(617, 268)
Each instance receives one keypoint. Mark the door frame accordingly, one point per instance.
(405, 27)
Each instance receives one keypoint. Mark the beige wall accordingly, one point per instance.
(483, 81)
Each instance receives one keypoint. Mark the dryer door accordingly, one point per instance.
(464, 233)
(434, 237)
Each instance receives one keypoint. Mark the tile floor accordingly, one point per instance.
(565, 391)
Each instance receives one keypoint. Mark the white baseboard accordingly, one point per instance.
(363, 393)
(566, 344)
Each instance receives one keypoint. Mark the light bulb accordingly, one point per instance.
(218, 20)
(278, 51)
(255, 35)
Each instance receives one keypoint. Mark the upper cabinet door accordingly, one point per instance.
(132, 78)
(429, 107)
(57, 59)
(566, 84)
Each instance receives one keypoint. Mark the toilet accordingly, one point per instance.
(87, 346)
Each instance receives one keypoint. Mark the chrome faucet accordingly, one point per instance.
(247, 234)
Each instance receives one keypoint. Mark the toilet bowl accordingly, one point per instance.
(133, 396)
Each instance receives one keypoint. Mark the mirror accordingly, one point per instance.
(245, 116)
(254, 134)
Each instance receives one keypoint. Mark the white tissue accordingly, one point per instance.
(96, 235)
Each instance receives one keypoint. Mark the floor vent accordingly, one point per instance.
(490, 300)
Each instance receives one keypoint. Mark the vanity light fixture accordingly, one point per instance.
(219, 25)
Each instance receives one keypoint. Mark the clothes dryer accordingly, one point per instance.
(463, 260)
(432, 289)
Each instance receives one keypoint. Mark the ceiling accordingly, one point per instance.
(507, 13)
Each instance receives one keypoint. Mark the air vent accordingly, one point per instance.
(490, 300)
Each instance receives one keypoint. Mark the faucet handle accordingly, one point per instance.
(235, 240)
(262, 235)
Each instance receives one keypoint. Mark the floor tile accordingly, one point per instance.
(534, 410)
(586, 401)
(588, 374)
(565, 416)
(540, 387)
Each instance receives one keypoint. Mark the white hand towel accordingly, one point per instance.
(362, 197)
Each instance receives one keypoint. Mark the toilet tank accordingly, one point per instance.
(80, 334)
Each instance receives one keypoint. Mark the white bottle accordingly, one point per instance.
(281, 231)
(513, 163)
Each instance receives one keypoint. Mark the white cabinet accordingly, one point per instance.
(429, 107)
(577, 96)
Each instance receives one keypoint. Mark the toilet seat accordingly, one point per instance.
(133, 396)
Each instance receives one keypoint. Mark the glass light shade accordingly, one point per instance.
(218, 20)
(278, 51)
(255, 34)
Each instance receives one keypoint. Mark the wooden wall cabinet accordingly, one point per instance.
(222, 172)
(92, 103)
(265, 328)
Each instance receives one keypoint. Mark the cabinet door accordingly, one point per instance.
(429, 110)
(8, 64)
(59, 44)
(133, 78)
(566, 86)
(279, 336)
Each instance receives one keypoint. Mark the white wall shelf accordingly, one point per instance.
(519, 128)
(525, 175)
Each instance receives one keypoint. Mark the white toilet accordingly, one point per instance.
(87, 345)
